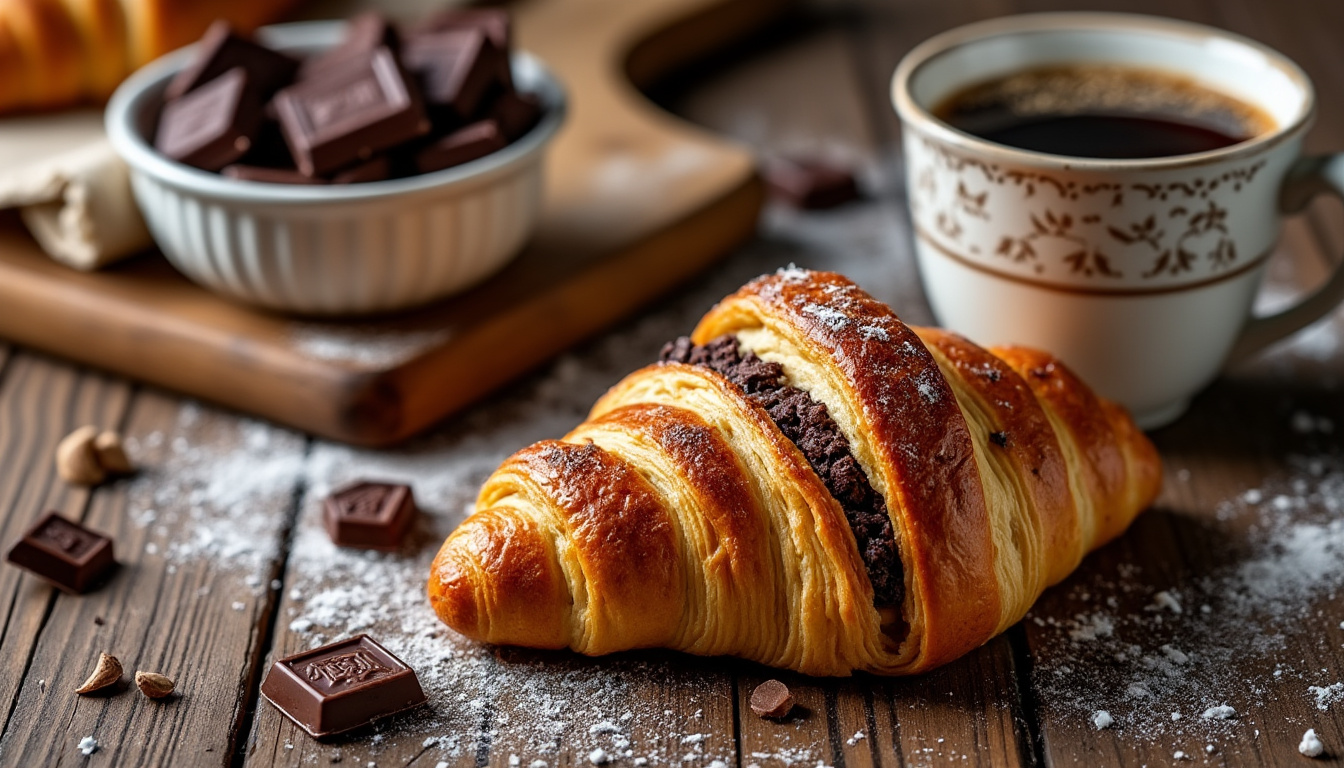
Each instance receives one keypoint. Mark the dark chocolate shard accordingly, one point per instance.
(456, 69)
(341, 686)
(64, 553)
(220, 51)
(810, 183)
(462, 146)
(268, 175)
(359, 107)
(365, 32)
(494, 22)
(517, 113)
(369, 515)
(213, 125)
(377, 169)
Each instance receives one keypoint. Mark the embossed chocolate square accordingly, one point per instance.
(341, 686)
(369, 515)
(64, 553)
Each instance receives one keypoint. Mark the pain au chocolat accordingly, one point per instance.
(806, 482)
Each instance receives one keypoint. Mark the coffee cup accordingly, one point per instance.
(1140, 273)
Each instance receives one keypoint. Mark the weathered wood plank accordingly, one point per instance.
(40, 402)
(198, 535)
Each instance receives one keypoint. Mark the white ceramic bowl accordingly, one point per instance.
(334, 250)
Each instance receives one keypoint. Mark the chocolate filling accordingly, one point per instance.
(809, 425)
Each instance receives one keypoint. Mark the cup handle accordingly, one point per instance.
(1308, 177)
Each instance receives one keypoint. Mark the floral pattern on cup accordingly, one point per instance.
(1056, 227)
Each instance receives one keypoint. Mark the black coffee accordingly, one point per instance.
(1102, 111)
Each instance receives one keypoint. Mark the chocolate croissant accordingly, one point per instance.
(806, 482)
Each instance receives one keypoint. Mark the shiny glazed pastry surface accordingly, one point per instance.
(679, 515)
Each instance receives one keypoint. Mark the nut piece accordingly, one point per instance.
(107, 673)
(111, 454)
(76, 460)
(771, 699)
(153, 685)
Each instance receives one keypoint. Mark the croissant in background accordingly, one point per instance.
(56, 53)
(805, 482)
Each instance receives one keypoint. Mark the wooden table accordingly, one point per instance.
(225, 566)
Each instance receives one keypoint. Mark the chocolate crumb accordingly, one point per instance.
(771, 699)
(98, 620)
(999, 438)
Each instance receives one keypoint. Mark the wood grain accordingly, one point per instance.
(1024, 699)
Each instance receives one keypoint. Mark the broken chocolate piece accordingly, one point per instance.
(341, 686)
(810, 183)
(771, 699)
(64, 553)
(220, 51)
(456, 69)
(268, 175)
(475, 141)
(213, 125)
(516, 113)
(357, 108)
(494, 22)
(369, 515)
(377, 169)
(364, 33)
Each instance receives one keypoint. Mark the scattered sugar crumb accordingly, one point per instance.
(1168, 601)
(599, 756)
(1311, 745)
(1220, 712)
(88, 745)
(1328, 695)
(1102, 719)
(856, 738)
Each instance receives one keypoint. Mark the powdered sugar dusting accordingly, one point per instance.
(1203, 646)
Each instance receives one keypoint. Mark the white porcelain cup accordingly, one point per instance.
(1140, 274)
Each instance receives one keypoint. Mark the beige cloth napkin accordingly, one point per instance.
(71, 189)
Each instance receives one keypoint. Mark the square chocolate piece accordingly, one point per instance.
(369, 515)
(494, 22)
(364, 33)
(475, 141)
(220, 50)
(341, 686)
(64, 553)
(516, 113)
(360, 106)
(810, 183)
(457, 69)
(213, 125)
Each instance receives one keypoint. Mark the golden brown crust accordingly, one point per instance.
(713, 471)
(911, 419)
(49, 46)
(1027, 441)
(1092, 422)
(999, 469)
(159, 26)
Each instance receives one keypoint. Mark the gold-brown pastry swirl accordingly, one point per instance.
(56, 53)
(680, 515)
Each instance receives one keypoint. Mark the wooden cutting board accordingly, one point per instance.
(636, 202)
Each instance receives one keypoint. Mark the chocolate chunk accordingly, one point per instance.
(475, 141)
(457, 69)
(359, 107)
(220, 51)
(268, 175)
(341, 686)
(377, 169)
(364, 33)
(213, 125)
(810, 183)
(771, 699)
(516, 113)
(64, 553)
(808, 424)
(369, 515)
(494, 22)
